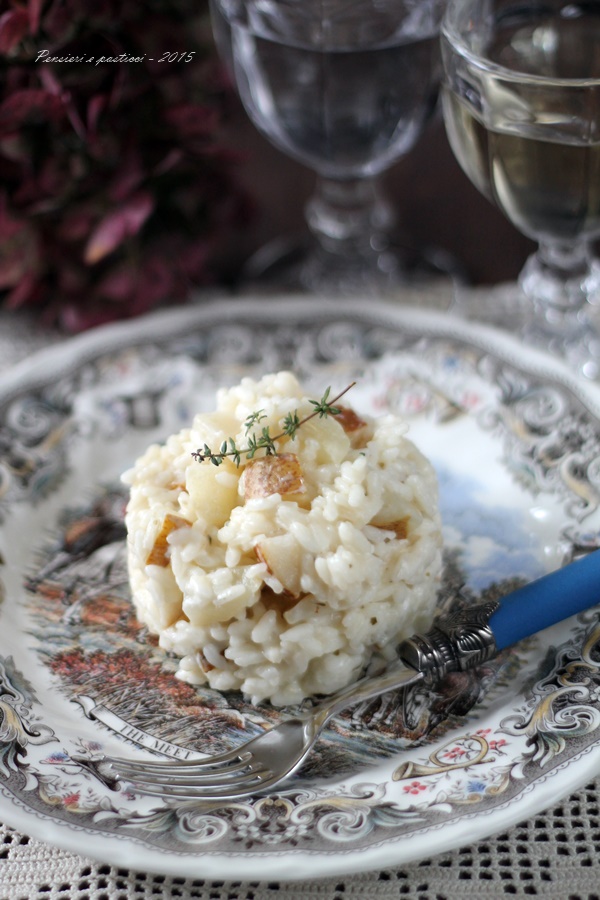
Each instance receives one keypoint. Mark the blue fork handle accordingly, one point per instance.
(548, 600)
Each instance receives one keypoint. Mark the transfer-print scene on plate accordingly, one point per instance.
(507, 444)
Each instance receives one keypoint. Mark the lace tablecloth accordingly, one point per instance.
(555, 854)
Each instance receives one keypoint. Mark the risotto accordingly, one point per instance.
(280, 575)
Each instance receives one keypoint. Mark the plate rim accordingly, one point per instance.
(288, 307)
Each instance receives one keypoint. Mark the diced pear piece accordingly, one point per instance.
(266, 475)
(349, 419)
(332, 441)
(213, 490)
(205, 615)
(357, 429)
(159, 555)
(400, 527)
(282, 555)
(223, 595)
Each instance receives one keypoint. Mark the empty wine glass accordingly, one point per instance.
(345, 87)
(521, 102)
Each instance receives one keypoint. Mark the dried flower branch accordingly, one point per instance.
(264, 440)
(116, 194)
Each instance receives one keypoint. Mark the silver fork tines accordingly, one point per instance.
(232, 774)
(260, 763)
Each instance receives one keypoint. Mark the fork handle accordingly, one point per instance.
(468, 637)
(548, 600)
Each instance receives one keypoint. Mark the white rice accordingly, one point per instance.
(283, 595)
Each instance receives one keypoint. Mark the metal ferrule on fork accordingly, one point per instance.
(460, 641)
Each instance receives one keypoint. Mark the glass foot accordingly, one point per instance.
(299, 264)
(572, 336)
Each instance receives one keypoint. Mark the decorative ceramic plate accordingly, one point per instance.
(516, 444)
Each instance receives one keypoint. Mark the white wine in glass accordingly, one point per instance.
(521, 101)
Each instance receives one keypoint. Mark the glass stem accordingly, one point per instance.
(560, 278)
(349, 216)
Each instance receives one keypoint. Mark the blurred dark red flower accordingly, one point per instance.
(115, 193)
(14, 25)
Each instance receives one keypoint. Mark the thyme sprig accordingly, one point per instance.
(264, 440)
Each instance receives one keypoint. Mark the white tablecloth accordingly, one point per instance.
(554, 855)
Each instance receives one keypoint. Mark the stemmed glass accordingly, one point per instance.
(521, 102)
(345, 87)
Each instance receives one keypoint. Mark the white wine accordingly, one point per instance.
(549, 189)
(532, 145)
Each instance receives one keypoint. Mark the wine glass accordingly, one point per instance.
(521, 104)
(346, 88)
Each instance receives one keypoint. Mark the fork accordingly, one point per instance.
(457, 642)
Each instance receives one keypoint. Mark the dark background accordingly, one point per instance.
(435, 202)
